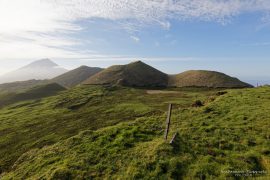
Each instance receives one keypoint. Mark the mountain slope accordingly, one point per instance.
(39, 70)
(20, 86)
(137, 74)
(36, 92)
(210, 141)
(76, 76)
(201, 78)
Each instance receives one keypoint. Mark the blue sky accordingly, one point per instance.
(232, 36)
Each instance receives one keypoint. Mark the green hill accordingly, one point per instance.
(20, 86)
(92, 132)
(68, 79)
(76, 76)
(36, 92)
(137, 74)
(201, 78)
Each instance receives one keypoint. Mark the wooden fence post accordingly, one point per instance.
(168, 121)
(174, 136)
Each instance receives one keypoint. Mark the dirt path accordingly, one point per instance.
(161, 92)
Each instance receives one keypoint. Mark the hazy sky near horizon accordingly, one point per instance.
(232, 36)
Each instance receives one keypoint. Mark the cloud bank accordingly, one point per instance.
(144, 12)
(34, 28)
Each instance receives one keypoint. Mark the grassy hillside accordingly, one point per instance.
(34, 93)
(229, 132)
(76, 76)
(20, 86)
(137, 74)
(201, 78)
(36, 123)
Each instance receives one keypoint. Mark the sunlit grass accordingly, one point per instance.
(120, 135)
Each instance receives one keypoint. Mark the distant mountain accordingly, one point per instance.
(68, 79)
(76, 76)
(137, 74)
(39, 70)
(20, 85)
(201, 78)
(36, 92)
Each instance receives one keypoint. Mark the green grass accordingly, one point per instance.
(93, 132)
(36, 123)
(20, 86)
(34, 93)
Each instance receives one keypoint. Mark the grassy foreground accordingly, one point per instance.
(120, 135)
(36, 123)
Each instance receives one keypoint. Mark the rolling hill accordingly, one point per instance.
(49, 140)
(139, 74)
(34, 93)
(76, 76)
(39, 70)
(202, 78)
(20, 86)
(136, 74)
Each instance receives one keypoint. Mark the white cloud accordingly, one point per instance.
(31, 15)
(157, 11)
(135, 39)
(38, 28)
(58, 15)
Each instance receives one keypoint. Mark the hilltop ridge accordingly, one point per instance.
(139, 74)
(203, 78)
(136, 74)
(76, 76)
(41, 63)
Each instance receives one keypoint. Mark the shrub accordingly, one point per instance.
(197, 103)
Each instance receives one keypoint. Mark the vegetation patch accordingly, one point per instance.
(100, 141)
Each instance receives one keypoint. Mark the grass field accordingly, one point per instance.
(94, 132)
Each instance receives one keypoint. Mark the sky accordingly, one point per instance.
(231, 36)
